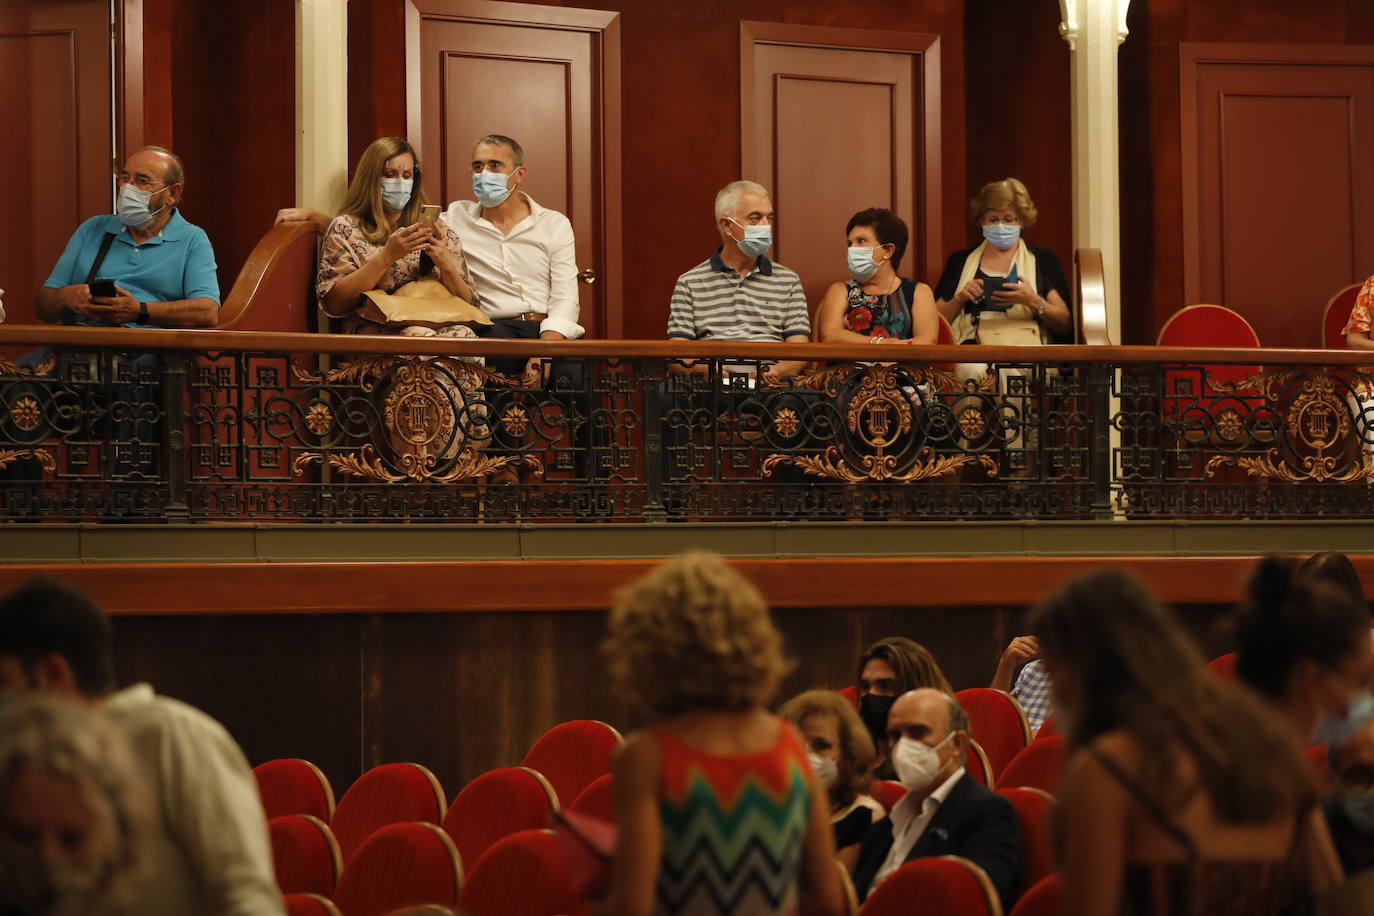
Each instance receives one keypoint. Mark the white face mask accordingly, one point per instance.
(825, 769)
(917, 763)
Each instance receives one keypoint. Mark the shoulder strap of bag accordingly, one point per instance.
(105, 244)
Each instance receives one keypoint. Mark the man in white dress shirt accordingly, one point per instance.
(522, 256)
(208, 852)
(945, 812)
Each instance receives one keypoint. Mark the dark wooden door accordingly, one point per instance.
(55, 105)
(1277, 147)
(835, 121)
(549, 79)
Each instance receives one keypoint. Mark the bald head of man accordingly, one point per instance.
(932, 718)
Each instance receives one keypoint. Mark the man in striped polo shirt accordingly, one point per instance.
(737, 293)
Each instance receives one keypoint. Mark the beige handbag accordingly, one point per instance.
(425, 302)
(1008, 332)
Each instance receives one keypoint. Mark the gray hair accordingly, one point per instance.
(73, 741)
(517, 154)
(727, 198)
(958, 718)
(176, 172)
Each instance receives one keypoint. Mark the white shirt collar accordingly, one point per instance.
(906, 810)
(474, 210)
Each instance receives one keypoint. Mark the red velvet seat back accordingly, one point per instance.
(1045, 898)
(1048, 729)
(1336, 314)
(294, 786)
(400, 865)
(1039, 766)
(887, 792)
(1034, 811)
(850, 693)
(388, 794)
(523, 875)
(495, 805)
(309, 905)
(572, 754)
(597, 800)
(999, 725)
(1224, 667)
(943, 886)
(305, 854)
(1210, 326)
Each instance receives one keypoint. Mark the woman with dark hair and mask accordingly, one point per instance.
(1181, 794)
(877, 305)
(889, 668)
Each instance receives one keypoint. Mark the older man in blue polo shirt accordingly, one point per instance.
(162, 267)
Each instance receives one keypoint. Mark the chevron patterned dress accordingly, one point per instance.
(733, 829)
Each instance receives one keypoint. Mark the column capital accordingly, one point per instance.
(1071, 14)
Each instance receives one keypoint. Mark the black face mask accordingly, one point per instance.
(873, 710)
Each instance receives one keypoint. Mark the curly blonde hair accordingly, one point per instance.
(694, 634)
(856, 747)
(1000, 195)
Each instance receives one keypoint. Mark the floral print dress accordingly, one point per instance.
(883, 315)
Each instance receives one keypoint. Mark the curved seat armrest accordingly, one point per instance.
(1090, 287)
(275, 290)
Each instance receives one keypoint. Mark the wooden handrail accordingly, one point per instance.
(1091, 288)
(258, 341)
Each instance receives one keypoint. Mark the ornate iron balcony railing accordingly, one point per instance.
(98, 425)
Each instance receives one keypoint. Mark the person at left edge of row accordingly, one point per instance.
(162, 267)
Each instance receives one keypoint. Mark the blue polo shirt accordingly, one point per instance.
(177, 263)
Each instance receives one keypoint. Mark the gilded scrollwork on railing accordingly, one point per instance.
(45, 368)
(41, 455)
(368, 465)
(1319, 445)
(878, 403)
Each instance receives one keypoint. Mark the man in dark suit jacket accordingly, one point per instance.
(945, 812)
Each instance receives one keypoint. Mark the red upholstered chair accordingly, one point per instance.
(977, 765)
(597, 800)
(305, 854)
(887, 792)
(523, 875)
(571, 755)
(945, 338)
(1034, 811)
(1224, 667)
(309, 905)
(1045, 898)
(401, 865)
(1048, 729)
(1336, 314)
(294, 786)
(1039, 766)
(495, 805)
(998, 722)
(943, 886)
(1207, 326)
(388, 794)
(850, 693)
(429, 909)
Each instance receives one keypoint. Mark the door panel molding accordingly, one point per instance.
(603, 27)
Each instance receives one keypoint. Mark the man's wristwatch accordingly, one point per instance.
(143, 313)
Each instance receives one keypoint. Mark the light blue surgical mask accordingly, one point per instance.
(1340, 729)
(757, 239)
(861, 264)
(396, 192)
(1001, 235)
(490, 188)
(132, 207)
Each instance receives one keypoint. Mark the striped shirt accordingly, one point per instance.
(713, 302)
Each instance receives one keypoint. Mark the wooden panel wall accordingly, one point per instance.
(1152, 234)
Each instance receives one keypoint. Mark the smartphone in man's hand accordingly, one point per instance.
(103, 289)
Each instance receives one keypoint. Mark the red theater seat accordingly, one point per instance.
(573, 754)
(1045, 898)
(597, 800)
(1224, 667)
(495, 805)
(305, 854)
(1034, 811)
(1336, 314)
(887, 792)
(998, 722)
(388, 794)
(294, 786)
(943, 886)
(1039, 766)
(976, 762)
(523, 875)
(401, 865)
(309, 905)
(850, 693)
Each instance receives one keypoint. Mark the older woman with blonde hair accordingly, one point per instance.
(73, 810)
(841, 755)
(1005, 290)
(717, 792)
